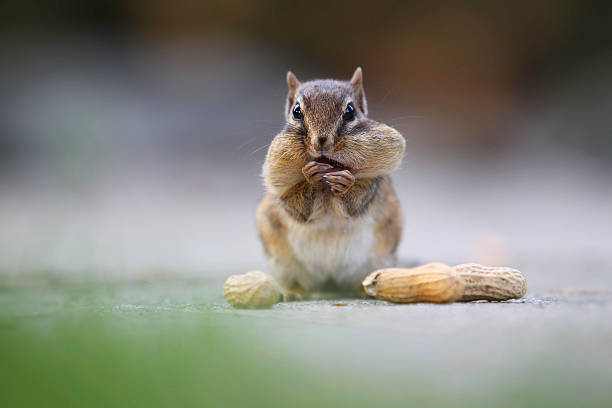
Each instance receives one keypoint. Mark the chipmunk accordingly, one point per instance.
(330, 215)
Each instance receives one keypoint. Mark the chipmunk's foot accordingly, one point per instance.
(314, 171)
(294, 295)
(340, 181)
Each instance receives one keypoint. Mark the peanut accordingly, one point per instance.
(440, 283)
(434, 282)
(490, 283)
(252, 290)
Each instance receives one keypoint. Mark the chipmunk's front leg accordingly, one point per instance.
(299, 200)
(314, 171)
(340, 181)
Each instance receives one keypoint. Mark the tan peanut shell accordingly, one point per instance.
(433, 282)
(490, 283)
(252, 290)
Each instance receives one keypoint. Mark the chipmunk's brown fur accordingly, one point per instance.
(330, 215)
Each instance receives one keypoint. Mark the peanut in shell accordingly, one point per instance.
(252, 290)
(433, 282)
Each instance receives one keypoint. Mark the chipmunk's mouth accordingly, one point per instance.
(336, 166)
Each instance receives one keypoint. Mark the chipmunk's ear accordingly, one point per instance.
(293, 84)
(357, 84)
(292, 81)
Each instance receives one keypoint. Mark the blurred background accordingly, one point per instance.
(132, 133)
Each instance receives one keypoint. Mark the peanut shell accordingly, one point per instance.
(490, 283)
(252, 290)
(433, 282)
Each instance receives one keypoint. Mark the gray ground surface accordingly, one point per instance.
(551, 348)
(555, 339)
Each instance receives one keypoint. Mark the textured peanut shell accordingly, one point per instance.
(433, 282)
(252, 290)
(490, 283)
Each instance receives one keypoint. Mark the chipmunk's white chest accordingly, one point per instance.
(334, 249)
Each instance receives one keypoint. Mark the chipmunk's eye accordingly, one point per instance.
(297, 112)
(349, 112)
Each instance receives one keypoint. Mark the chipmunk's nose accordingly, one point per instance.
(322, 143)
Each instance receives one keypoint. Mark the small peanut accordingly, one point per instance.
(490, 283)
(252, 290)
(434, 282)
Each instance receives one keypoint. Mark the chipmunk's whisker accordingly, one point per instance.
(259, 148)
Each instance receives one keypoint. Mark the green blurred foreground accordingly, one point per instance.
(169, 344)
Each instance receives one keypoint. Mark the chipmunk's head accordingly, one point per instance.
(324, 113)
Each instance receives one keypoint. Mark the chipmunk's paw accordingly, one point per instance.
(314, 171)
(292, 295)
(340, 181)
